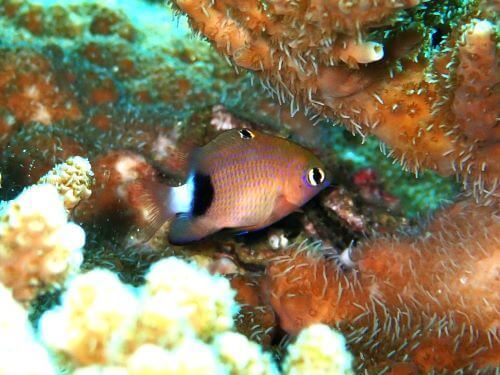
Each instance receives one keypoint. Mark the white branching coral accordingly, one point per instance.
(178, 323)
(94, 307)
(39, 248)
(20, 354)
(73, 180)
(241, 356)
(318, 350)
(190, 357)
(207, 301)
(159, 321)
(102, 321)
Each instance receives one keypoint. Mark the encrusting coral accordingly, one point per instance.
(39, 248)
(179, 322)
(422, 97)
(430, 302)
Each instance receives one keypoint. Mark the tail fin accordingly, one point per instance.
(149, 202)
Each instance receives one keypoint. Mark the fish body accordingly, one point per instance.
(244, 180)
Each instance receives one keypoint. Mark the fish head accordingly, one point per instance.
(307, 177)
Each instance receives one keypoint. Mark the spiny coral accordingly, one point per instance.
(73, 180)
(431, 302)
(300, 50)
(19, 352)
(39, 248)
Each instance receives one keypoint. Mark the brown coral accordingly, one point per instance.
(32, 91)
(300, 49)
(432, 302)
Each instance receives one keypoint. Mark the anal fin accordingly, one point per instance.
(185, 229)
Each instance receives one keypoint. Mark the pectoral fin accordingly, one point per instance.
(282, 208)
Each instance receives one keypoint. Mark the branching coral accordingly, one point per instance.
(20, 354)
(177, 303)
(430, 302)
(313, 350)
(431, 108)
(39, 248)
(94, 306)
(179, 322)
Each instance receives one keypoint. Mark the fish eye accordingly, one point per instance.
(315, 176)
(246, 134)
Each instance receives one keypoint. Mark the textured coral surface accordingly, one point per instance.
(430, 301)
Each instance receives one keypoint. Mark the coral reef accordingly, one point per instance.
(169, 326)
(107, 82)
(121, 85)
(430, 301)
(420, 96)
(17, 341)
(39, 248)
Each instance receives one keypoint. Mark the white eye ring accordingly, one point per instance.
(246, 134)
(315, 176)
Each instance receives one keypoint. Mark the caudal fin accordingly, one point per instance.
(149, 203)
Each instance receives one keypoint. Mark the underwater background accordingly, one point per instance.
(393, 268)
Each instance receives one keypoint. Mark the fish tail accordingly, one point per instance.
(151, 205)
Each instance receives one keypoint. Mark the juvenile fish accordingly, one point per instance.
(243, 179)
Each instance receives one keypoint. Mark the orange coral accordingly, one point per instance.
(32, 93)
(432, 302)
(255, 319)
(300, 51)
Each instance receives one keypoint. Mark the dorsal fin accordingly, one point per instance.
(229, 138)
